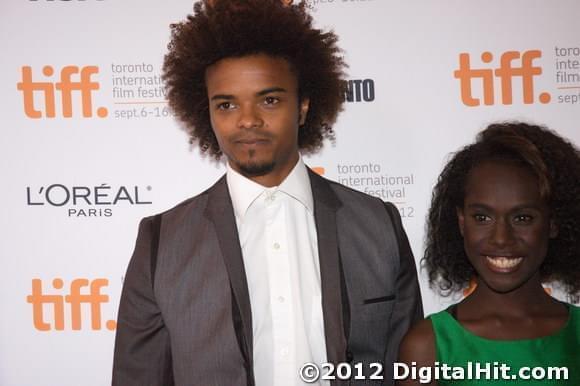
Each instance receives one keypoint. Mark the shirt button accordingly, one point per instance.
(281, 299)
(276, 246)
(270, 197)
(284, 351)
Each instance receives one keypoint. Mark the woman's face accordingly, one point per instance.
(505, 225)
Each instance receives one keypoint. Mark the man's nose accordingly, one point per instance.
(249, 117)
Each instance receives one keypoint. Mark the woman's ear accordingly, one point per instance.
(553, 229)
(460, 219)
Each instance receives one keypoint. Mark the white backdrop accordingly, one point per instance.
(88, 146)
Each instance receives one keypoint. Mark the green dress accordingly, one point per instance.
(470, 354)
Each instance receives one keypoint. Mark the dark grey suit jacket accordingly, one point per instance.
(185, 317)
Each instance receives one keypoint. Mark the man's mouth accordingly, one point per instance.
(252, 141)
(503, 263)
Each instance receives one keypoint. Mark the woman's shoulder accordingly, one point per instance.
(574, 314)
(418, 345)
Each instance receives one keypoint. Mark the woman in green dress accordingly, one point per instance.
(505, 214)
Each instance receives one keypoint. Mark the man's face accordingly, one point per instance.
(255, 113)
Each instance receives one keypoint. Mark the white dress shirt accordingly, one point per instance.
(280, 252)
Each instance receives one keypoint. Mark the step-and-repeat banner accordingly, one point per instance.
(89, 146)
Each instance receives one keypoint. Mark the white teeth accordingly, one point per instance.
(504, 262)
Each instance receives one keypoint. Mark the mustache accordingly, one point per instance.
(250, 135)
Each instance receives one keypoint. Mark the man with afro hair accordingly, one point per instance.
(273, 266)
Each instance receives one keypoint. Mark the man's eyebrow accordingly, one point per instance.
(271, 90)
(263, 92)
(222, 96)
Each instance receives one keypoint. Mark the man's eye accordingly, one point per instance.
(225, 106)
(270, 100)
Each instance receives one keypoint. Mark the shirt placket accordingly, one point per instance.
(280, 288)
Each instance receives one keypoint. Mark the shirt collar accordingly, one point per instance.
(297, 185)
(244, 191)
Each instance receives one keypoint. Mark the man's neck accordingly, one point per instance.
(276, 176)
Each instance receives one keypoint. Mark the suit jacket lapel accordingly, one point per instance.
(326, 204)
(220, 211)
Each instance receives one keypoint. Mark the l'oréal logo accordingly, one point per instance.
(87, 201)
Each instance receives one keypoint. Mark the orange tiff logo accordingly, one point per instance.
(512, 64)
(74, 299)
(65, 87)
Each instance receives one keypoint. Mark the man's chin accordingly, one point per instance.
(255, 169)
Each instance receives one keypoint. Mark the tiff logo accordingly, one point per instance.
(523, 68)
(74, 299)
(65, 87)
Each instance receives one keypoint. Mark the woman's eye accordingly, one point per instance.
(481, 217)
(523, 218)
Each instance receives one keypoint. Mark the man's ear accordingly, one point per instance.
(304, 105)
(460, 219)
